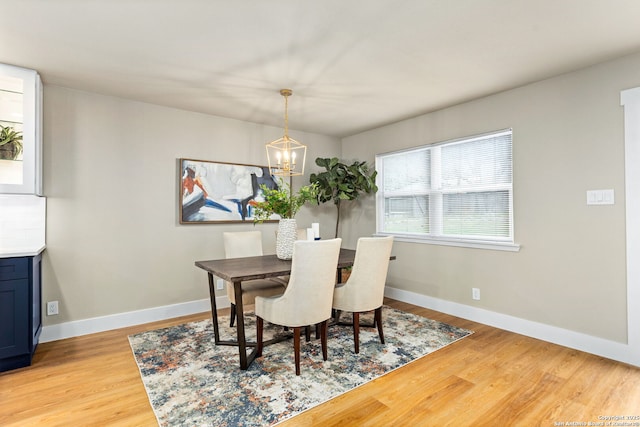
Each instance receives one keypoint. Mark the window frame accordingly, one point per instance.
(435, 208)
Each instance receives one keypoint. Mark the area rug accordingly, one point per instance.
(192, 382)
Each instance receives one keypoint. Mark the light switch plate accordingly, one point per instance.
(600, 197)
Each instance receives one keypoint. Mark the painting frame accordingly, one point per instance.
(212, 192)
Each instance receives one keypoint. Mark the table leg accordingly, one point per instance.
(214, 310)
(245, 360)
(242, 342)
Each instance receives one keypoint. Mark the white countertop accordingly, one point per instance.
(18, 252)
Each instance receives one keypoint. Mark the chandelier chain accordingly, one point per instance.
(286, 116)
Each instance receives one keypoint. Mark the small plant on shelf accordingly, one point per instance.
(10, 143)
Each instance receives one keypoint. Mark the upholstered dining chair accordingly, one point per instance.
(308, 297)
(364, 290)
(240, 244)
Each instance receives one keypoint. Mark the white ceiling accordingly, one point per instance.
(352, 65)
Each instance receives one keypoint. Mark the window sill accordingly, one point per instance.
(495, 246)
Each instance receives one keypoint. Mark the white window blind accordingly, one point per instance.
(456, 190)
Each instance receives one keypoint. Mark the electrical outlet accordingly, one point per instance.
(52, 308)
(220, 284)
(475, 293)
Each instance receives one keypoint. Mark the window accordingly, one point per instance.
(456, 192)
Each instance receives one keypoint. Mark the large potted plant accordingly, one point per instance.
(10, 143)
(283, 202)
(340, 182)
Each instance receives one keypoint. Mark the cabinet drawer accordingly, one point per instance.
(14, 268)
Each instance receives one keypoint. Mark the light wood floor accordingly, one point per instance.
(492, 378)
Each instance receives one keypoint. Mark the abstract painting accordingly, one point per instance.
(217, 192)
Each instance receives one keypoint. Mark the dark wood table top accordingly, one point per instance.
(260, 267)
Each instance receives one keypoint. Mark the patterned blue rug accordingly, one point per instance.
(192, 382)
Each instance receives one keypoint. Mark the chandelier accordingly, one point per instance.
(286, 156)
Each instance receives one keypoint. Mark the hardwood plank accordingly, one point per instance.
(493, 377)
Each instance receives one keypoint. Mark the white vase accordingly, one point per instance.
(287, 233)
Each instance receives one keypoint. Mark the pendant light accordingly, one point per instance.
(286, 156)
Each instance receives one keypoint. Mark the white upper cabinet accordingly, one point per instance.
(20, 114)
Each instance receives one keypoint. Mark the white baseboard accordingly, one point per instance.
(121, 320)
(610, 349)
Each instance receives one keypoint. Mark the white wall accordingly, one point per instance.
(567, 139)
(114, 243)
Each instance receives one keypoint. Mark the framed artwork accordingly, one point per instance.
(216, 192)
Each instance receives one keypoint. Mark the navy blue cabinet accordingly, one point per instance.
(20, 310)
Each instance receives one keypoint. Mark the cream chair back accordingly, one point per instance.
(240, 244)
(308, 297)
(364, 290)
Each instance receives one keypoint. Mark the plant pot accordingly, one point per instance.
(9, 151)
(287, 234)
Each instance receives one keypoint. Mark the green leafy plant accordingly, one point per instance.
(10, 143)
(282, 201)
(342, 182)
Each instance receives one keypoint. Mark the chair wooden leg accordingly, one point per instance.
(296, 348)
(356, 331)
(323, 338)
(336, 315)
(307, 333)
(259, 343)
(318, 330)
(232, 315)
(378, 322)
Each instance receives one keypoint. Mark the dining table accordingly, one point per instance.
(239, 270)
